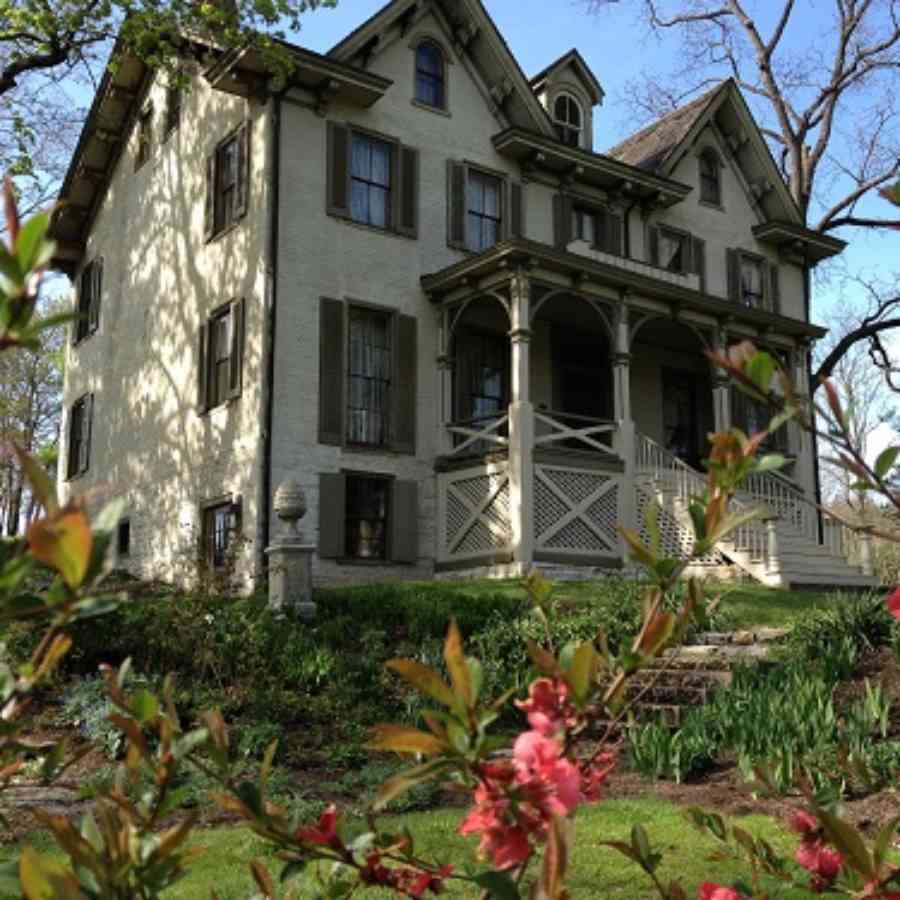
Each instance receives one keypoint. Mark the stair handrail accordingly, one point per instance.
(649, 455)
(798, 510)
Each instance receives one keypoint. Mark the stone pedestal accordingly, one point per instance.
(290, 579)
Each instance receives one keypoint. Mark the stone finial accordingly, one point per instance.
(289, 504)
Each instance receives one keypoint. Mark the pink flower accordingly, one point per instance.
(548, 708)
(710, 891)
(540, 766)
(594, 775)
(803, 823)
(823, 863)
(893, 603)
(324, 833)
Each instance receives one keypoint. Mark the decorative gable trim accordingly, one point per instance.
(574, 60)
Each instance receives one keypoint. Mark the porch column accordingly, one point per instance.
(521, 426)
(721, 386)
(444, 442)
(624, 438)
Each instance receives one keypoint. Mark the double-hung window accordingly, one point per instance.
(369, 378)
(484, 205)
(673, 250)
(367, 516)
(221, 351)
(90, 286)
(752, 282)
(430, 89)
(710, 177)
(79, 433)
(568, 119)
(371, 164)
(219, 526)
(144, 137)
(584, 225)
(227, 177)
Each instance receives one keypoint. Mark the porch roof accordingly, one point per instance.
(502, 260)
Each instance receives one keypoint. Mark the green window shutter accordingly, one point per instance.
(456, 204)
(608, 232)
(209, 214)
(338, 169)
(516, 210)
(733, 269)
(331, 372)
(203, 368)
(653, 245)
(332, 515)
(698, 258)
(404, 545)
(775, 285)
(404, 387)
(562, 221)
(87, 421)
(242, 189)
(408, 221)
(236, 374)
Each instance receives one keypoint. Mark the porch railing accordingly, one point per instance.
(573, 432)
(479, 434)
(655, 463)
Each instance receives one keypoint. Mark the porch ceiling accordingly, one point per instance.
(498, 265)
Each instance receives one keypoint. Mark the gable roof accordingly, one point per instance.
(475, 33)
(576, 60)
(662, 145)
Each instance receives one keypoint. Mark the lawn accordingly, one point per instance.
(596, 871)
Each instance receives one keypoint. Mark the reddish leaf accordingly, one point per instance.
(458, 668)
(400, 739)
(423, 678)
(64, 543)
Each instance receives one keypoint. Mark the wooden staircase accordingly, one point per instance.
(783, 549)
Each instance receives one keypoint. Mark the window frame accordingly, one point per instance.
(501, 220)
(464, 340)
(387, 482)
(207, 394)
(393, 147)
(762, 264)
(88, 321)
(144, 148)
(215, 225)
(123, 538)
(442, 80)
(390, 317)
(684, 238)
(223, 222)
(174, 105)
(77, 457)
(214, 361)
(709, 156)
(231, 508)
(565, 129)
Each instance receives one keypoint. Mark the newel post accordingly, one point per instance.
(444, 441)
(521, 426)
(774, 575)
(721, 386)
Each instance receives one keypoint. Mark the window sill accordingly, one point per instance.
(224, 405)
(69, 479)
(439, 110)
(219, 234)
(389, 232)
(710, 205)
(86, 337)
(367, 563)
(370, 450)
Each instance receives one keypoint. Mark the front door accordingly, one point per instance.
(680, 425)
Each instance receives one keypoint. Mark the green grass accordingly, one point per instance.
(595, 872)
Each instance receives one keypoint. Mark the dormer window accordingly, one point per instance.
(569, 119)
(710, 177)
(430, 87)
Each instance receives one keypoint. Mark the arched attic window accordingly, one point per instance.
(569, 119)
(431, 75)
(710, 177)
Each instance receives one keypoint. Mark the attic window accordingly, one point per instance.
(568, 118)
(710, 177)
(430, 87)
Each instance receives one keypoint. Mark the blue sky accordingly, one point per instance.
(619, 50)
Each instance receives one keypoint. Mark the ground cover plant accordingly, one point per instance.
(522, 791)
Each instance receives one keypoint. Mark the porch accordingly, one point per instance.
(552, 385)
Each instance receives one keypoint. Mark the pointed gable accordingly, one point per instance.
(574, 62)
(473, 34)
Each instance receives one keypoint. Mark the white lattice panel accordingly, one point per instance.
(575, 511)
(476, 512)
(676, 537)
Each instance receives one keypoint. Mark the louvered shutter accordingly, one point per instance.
(733, 269)
(96, 288)
(404, 546)
(203, 368)
(209, 213)
(562, 221)
(236, 373)
(408, 220)
(608, 232)
(516, 210)
(87, 421)
(456, 204)
(332, 515)
(338, 169)
(331, 372)
(242, 189)
(698, 258)
(404, 387)
(653, 245)
(775, 289)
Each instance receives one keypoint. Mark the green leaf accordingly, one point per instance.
(400, 739)
(476, 677)
(144, 706)
(401, 783)
(847, 839)
(886, 460)
(30, 245)
(760, 370)
(455, 659)
(770, 463)
(499, 885)
(63, 542)
(883, 842)
(44, 878)
(423, 678)
(581, 674)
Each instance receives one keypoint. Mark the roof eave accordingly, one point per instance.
(814, 246)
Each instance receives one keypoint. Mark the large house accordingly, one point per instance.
(409, 280)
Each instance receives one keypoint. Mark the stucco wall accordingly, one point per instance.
(160, 281)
